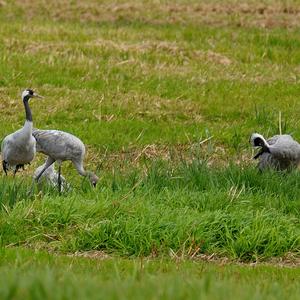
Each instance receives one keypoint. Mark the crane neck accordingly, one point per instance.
(27, 109)
(265, 146)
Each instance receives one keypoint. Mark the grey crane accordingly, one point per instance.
(19, 147)
(61, 146)
(281, 152)
(51, 176)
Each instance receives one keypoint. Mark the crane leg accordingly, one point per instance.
(48, 163)
(17, 168)
(59, 179)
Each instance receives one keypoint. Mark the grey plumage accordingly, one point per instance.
(281, 152)
(60, 146)
(19, 147)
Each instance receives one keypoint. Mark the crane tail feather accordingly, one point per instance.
(4, 166)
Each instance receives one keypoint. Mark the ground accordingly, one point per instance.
(165, 95)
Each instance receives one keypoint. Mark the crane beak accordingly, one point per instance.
(37, 96)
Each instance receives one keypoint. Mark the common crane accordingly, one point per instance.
(19, 148)
(60, 146)
(281, 152)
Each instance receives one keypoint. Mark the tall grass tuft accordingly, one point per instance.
(188, 208)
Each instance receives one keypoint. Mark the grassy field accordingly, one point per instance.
(61, 277)
(165, 95)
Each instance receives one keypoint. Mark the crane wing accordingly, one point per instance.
(48, 141)
(285, 148)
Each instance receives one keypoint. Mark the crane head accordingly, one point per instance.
(257, 140)
(28, 93)
(93, 178)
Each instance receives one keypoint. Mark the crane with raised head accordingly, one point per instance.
(19, 147)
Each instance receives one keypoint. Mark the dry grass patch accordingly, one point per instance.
(136, 156)
(218, 13)
(92, 254)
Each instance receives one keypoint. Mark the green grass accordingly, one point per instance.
(167, 81)
(187, 208)
(61, 277)
(142, 83)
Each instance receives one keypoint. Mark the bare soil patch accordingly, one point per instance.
(290, 260)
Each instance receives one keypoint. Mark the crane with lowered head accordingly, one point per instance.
(280, 152)
(62, 146)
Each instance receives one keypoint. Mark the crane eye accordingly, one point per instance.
(30, 92)
(257, 142)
